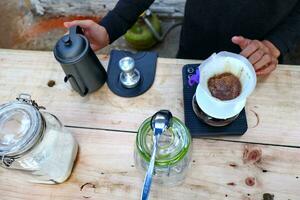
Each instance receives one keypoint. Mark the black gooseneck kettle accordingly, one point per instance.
(79, 62)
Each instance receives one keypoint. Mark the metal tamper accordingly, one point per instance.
(130, 76)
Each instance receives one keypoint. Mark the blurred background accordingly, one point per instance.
(38, 24)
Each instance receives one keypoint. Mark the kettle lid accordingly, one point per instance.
(72, 47)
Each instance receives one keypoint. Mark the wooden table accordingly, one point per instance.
(105, 126)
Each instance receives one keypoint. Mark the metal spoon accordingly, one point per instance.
(160, 121)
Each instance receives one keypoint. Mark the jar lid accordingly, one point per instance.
(173, 144)
(20, 126)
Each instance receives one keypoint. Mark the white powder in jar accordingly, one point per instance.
(51, 159)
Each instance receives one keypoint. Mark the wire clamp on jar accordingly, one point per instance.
(7, 161)
(26, 98)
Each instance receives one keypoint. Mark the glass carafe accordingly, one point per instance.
(173, 153)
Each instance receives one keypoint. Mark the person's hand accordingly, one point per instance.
(263, 55)
(96, 34)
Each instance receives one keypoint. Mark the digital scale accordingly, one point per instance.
(197, 127)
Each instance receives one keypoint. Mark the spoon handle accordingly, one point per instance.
(148, 177)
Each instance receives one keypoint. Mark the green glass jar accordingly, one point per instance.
(173, 152)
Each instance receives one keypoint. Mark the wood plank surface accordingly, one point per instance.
(219, 170)
(273, 109)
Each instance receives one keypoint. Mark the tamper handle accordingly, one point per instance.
(126, 64)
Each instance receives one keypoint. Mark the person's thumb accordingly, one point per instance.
(241, 41)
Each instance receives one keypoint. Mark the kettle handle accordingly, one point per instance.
(75, 30)
(81, 92)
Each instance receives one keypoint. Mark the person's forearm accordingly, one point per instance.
(286, 35)
(123, 16)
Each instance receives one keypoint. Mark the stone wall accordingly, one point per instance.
(172, 8)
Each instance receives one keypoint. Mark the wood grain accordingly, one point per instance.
(218, 170)
(273, 109)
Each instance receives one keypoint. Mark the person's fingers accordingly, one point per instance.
(256, 56)
(81, 23)
(265, 60)
(263, 55)
(87, 34)
(266, 70)
(67, 24)
(273, 49)
(241, 41)
(95, 47)
(251, 48)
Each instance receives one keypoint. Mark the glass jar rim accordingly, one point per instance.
(29, 135)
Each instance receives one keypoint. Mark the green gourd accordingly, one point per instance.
(139, 35)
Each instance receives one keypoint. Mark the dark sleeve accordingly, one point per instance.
(123, 16)
(287, 34)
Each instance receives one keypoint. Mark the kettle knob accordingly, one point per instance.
(129, 76)
(67, 40)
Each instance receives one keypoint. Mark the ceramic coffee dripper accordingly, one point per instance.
(214, 111)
